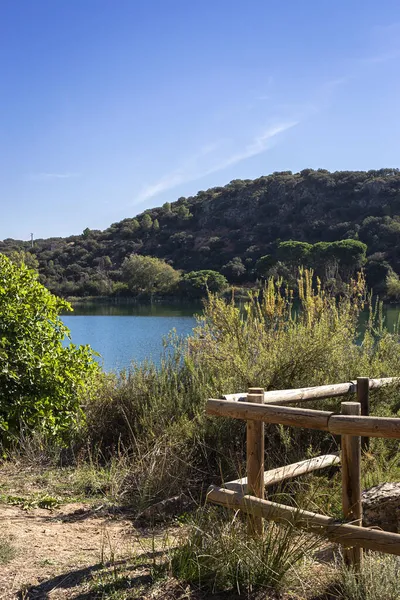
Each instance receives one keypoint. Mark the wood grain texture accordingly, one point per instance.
(351, 482)
(314, 393)
(255, 458)
(384, 427)
(282, 473)
(345, 534)
(363, 399)
(285, 415)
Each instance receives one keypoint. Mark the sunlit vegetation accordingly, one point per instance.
(339, 221)
(142, 437)
(41, 379)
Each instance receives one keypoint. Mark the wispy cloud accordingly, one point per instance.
(167, 182)
(197, 167)
(49, 176)
(379, 58)
(259, 144)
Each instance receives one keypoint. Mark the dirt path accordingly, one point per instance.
(57, 551)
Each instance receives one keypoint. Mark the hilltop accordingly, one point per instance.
(228, 229)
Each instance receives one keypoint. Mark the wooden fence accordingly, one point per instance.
(258, 407)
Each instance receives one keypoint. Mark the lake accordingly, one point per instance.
(122, 333)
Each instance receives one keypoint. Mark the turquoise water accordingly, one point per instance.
(125, 333)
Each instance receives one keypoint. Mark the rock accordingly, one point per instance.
(166, 509)
(381, 507)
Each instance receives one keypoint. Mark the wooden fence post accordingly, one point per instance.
(363, 399)
(351, 483)
(255, 459)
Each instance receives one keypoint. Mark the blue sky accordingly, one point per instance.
(108, 107)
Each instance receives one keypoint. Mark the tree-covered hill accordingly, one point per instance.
(228, 229)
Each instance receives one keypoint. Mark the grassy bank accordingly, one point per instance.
(157, 415)
(145, 438)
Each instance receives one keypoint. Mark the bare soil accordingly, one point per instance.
(59, 551)
(90, 550)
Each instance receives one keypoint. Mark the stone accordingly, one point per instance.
(166, 509)
(381, 507)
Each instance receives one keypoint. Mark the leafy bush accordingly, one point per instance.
(378, 580)
(158, 413)
(393, 286)
(40, 379)
(197, 284)
(148, 274)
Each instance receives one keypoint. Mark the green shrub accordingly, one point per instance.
(393, 286)
(378, 580)
(158, 414)
(40, 378)
(198, 284)
(147, 274)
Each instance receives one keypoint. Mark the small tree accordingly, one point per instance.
(148, 274)
(235, 269)
(41, 379)
(146, 222)
(393, 286)
(183, 212)
(198, 283)
(293, 253)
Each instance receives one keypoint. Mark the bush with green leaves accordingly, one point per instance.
(158, 412)
(197, 284)
(41, 378)
(378, 579)
(148, 274)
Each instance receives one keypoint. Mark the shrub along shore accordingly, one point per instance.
(141, 437)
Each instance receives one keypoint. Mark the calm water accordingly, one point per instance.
(124, 333)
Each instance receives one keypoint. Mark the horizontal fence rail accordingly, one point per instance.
(346, 534)
(385, 427)
(274, 476)
(314, 393)
(355, 427)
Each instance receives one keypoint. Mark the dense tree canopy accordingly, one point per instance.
(328, 259)
(40, 378)
(228, 229)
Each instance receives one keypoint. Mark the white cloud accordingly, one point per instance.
(195, 168)
(49, 176)
(258, 145)
(165, 183)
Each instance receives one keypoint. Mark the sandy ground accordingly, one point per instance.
(57, 551)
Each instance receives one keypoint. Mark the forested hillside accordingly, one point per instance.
(229, 229)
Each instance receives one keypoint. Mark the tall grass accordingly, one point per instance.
(146, 438)
(152, 419)
(156, 416)
(378, 580)
(217, 553)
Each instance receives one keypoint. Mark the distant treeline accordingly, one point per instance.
(333, 222)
